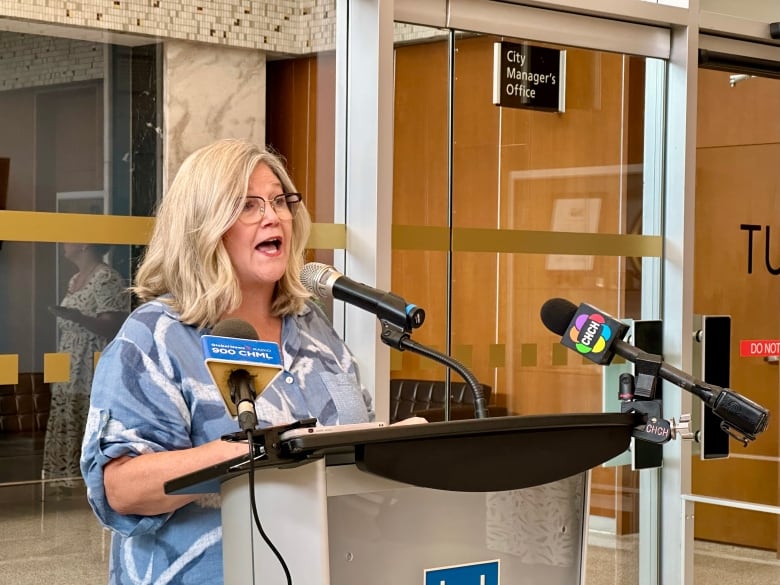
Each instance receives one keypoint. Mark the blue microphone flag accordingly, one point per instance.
(224, 355)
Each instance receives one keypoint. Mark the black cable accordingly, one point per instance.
(255, 515)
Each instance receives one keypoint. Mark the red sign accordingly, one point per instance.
(759, 347)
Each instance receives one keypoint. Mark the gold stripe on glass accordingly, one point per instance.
(533, 242)
(38, 226)
(328, 236)
(424, 238)
(560, 355)
(56, 367)
(464, 354)
(83, 228)
(9, 368)
(428, 364)
(497, 355)
(528, 355)
(396, 360)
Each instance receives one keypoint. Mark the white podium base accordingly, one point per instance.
(338, 525)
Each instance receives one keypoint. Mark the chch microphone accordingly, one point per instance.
(325, 281)
(597, 336)
(239, 363)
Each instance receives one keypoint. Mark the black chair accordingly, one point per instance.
(425, 398)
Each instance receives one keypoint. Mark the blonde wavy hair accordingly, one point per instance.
(186, 262)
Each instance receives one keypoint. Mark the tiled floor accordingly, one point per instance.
(57, 541)
(614, 561)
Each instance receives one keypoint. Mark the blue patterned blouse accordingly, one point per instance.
(152, 392)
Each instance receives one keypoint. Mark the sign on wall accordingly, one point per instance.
(530, 77)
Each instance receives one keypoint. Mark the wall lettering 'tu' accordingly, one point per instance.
(751, 229)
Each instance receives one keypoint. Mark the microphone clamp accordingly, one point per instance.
(654, 428)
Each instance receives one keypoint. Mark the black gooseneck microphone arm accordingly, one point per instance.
(398, 338)
(396, 316)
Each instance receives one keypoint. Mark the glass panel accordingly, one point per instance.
(80, 143)
(736, 267)
(57, 159)
(421, 204)
(528, 170)
(519, 173)
(522, 170)
(55, 334)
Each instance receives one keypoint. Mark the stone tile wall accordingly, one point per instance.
(33, 61)
(284, 26)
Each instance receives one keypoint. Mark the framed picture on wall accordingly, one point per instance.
(576, 215)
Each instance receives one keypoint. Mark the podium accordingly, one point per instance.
(450, 502)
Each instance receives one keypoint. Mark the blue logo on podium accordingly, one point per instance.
(475, 574)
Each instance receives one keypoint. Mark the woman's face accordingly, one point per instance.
(260, 247)
(72, 251)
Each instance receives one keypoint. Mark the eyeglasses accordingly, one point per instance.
(284, 206)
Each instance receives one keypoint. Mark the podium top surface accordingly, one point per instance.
(313, 439)
(487, 454)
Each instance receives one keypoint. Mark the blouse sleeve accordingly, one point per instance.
(136, 407)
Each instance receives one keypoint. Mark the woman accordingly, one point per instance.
(228, 242)
(89, 315)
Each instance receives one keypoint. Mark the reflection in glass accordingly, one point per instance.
(420, 259)
(88, 316)
(80, 135)
(518, 171)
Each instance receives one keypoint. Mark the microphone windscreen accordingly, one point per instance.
(557, 313)
(235, 328)
(311, 277)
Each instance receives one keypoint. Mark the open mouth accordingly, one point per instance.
(269, 246)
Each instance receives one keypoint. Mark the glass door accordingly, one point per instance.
(737, 275)
(498, 209)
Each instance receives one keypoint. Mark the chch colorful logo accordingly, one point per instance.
(590, 333)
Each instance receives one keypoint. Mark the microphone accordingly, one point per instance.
(238, 363)
(397, 316)
(325, 281)
(598, 337)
